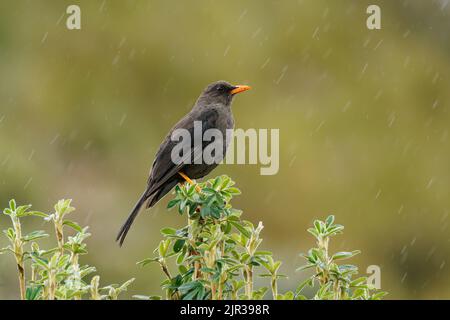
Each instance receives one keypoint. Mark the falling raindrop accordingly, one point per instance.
(44, 38)
(404, 277)
(28, 183)
(31, 155)
(283, 72)
(226, 50)
(265, 63)
(122, 120)
(55, 138)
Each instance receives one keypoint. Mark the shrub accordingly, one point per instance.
(218, 254)
(54, 273)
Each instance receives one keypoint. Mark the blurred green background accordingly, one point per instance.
(363, 118)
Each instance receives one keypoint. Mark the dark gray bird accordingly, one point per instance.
(213, 111)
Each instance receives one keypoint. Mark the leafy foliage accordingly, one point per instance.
(54, 273)
(335, 281)
(209, 254)
(218, 254)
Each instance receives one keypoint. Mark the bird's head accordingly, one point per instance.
(221, 92)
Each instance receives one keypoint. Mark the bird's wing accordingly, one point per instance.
(163, 167)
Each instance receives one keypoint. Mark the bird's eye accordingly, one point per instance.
(220, 88)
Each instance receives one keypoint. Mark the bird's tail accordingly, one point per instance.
(127, 225)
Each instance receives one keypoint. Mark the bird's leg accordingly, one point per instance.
(185, 177)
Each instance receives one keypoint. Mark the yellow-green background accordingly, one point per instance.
(363, 118)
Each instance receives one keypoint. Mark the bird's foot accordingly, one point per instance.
(188, 180)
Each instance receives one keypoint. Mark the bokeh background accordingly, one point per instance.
(363, 117)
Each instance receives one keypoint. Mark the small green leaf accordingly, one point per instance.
(378, 295)
(329, 221)
(217, 183)
(33, 292)
(344, 255)
(12, 204)
(147, 261)
(205, 211)
(173, 203)
(169, 231)
(319, 226)
(10, 233)
(37, 214)
(234, 191)
(178, 245)
(73, 225)
(34, 235)
(40, 262)
(241, 228)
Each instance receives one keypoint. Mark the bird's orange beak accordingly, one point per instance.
(240, 88)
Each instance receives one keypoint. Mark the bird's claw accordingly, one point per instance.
(188, 180)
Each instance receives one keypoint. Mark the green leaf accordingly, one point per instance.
(234, 191)
(182, 269)
(22, 211)
(126, 284)
(358, 282)
(344, 255)
(173, 203)
(378, 295)
(358, 293)
(215, 213)
(333, 230)
(168, 231)
(241, 228)
(40, 262)
(217, 183)
(10, 233)
(12, 204)
(63, 206)
(207, 190)
(34, 235)
(163, 246)
(73, 225)
(319, 226)
(205, 211)
(182, 206)
(226, 182)
(147, 261)
(178, 245)
(191, 190)
(37, 214)
(329, 221)
(189, 285)
(33, 292)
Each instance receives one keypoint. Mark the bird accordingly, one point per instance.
(213, 111)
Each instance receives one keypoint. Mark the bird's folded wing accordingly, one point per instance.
(163, 167)
(187, 158)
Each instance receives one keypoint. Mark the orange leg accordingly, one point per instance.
(185, 177)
